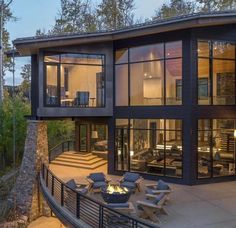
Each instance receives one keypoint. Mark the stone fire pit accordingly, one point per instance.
(115, 194)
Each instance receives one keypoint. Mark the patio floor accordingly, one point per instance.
(208, 206)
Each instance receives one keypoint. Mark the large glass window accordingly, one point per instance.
(121, 81)
(173, 80)
(52, 85)
(216, 147)
(80, 78)
(146, 83)
(153, 76)
(216, 73)
(153, 146)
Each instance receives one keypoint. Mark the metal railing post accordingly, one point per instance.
(53, 185)
(47, 178)
(43, 173)
(100, 216)
(77, 205)
(62, 147)
(62, 194)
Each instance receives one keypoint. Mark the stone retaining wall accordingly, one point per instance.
(26, 194)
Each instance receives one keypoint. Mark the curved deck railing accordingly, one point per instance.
(77, 210)
(60, 148)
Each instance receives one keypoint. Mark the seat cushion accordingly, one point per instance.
(158, 198)
(149, 191)
(161, 185)
(71, 183)
(127, 184)
(96, 177)
(99, 184)
(131, 177)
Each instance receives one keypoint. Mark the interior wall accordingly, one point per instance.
(83, 78)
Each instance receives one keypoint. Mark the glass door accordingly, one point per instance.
(83, 138)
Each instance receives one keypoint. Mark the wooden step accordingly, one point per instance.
(77, 161)
(77, 157)
(74, 153)
(74, 165)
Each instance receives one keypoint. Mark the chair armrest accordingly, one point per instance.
(148, 204)
(121, 179)
(162, 191)
(150, 185)
(150, 196)
(82, 185)
(108, 179)
(139, 180)
(90, 181)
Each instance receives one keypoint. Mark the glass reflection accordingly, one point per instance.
(147, 52)
(173, 49)
(121, 56)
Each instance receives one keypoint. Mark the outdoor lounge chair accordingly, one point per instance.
(97, 181)
(131, 181)
(148, 209)
(78, 187)
(70, 196)
(159, 187)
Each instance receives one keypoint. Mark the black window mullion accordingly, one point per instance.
(59, 84)
(164, 173)
(235, 74)
(211, 73)
(211, 147)
(164, 85)
(129, 77)
(128, 145)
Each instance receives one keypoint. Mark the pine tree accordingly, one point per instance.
(175, 8)
(25, 84)
(75, 16)
(114, 14)
(216, 5)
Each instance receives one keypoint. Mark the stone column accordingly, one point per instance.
(26, 193)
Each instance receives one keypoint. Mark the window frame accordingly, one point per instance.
(129, 128)
(59, 64)
(211, 59)
(164, 59)
(211, 130)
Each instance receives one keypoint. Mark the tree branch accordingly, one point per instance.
(9, 3)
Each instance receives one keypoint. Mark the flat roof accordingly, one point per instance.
(31, 45)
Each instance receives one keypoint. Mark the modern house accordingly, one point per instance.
(158, 98)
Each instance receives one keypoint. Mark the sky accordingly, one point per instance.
(40, 14)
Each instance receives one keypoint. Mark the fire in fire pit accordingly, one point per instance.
(115, 194)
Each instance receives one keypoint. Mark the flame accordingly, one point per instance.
(116, 189)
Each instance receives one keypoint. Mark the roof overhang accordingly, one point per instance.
(31, 45)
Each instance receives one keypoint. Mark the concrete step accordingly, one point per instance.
(78, 161)
(76, 165)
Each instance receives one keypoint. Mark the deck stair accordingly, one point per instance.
(79, 160)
